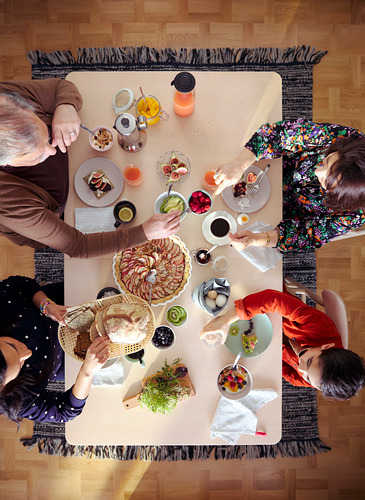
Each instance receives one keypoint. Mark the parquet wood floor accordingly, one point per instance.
(339, 96)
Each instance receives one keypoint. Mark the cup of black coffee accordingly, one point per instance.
(220, 227)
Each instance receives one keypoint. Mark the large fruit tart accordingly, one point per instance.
(168, 257)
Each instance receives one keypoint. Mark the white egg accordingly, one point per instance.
(212, 294)
(210, 303)
(221, 300)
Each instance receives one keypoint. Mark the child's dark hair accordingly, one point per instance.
(343, 373)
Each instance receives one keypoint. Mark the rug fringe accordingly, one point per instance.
(292, 449)
(57, 58)
(146, 55)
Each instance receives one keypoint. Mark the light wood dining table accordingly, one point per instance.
(230, 106)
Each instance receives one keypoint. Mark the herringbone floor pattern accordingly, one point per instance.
(339, 96)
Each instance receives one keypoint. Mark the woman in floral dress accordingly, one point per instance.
(323, 182)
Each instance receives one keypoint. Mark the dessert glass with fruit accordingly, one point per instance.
(234, 382)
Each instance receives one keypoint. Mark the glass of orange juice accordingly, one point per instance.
(154, 112)
(133, 175)
(208, 181)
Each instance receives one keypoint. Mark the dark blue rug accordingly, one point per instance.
(295, 66)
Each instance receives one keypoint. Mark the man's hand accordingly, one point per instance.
(162, 225)
(65, 126)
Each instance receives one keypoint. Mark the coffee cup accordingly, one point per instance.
(220, 226)
(135, 357)
(124, 212)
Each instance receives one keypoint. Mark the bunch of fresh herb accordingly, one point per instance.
(164, 390)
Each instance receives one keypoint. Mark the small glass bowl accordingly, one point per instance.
(165, 160)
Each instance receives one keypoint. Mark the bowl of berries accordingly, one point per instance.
(234, 382)
(200, 202)
(163, 338)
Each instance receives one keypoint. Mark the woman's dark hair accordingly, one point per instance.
(343, 373)
(345, 183)
(14, 393)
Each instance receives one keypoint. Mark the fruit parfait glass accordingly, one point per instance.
(173, 166)
(176, 315)
(200, 202)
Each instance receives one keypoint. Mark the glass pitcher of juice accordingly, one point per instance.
(150, 108)
(184, 93)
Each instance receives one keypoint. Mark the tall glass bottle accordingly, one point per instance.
(184, 93)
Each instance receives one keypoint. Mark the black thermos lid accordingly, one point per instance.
(184, 82)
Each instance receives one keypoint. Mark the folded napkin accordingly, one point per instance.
(112, 375)
(263, 258)
(94, 220)
(233, 418)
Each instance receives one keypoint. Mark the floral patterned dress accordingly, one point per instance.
(307, 222)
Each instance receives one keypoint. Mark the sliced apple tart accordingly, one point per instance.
(168, 257)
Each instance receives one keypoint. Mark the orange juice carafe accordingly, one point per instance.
(184, 93)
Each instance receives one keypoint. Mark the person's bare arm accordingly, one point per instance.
(220, 324)
(96, 355)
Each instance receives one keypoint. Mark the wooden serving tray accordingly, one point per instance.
(132, 402)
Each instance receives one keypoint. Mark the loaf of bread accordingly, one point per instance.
(123, 323)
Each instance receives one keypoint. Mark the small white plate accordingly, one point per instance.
(111, 171)
(255, 202)
(207, 232)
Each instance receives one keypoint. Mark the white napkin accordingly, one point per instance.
(94, 220)
(112, 375)
(263, 258)
(233, 418)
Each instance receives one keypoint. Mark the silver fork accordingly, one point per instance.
(256, 187)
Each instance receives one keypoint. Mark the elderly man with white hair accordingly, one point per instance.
(38, 121)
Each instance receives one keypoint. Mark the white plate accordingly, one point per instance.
(256, 202)
(207, 232)
(112, 172)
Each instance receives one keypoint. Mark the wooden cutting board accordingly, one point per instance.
(132, 402)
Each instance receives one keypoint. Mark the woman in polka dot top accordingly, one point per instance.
(31, 356)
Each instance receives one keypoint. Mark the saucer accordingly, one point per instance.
(209, 236)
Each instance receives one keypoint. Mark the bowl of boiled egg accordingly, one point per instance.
(215, 301)
(212, 296)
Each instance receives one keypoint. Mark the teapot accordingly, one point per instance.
(132, 134)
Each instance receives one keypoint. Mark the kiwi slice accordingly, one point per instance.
(234, 330)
